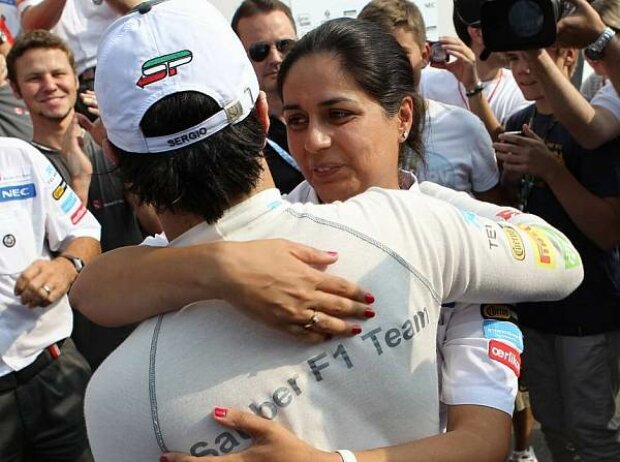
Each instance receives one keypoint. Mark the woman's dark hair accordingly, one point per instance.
(377, 63)
(204, 178)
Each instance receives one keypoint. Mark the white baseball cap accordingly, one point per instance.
(163, 48)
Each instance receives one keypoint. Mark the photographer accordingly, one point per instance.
(591, 124)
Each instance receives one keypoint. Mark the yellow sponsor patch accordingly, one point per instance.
(59, 191)
(516, 243)
(543, 248)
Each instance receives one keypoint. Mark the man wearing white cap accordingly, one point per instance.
(190, 143)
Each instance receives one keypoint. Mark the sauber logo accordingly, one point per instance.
(157, 69)
(506, 355)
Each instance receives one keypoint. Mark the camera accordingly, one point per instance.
(510, 25)
(438, 54)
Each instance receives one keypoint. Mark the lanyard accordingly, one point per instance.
(283, 154)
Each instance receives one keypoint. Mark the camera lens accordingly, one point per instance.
(525, 18)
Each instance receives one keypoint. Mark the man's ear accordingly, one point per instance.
(15, 89)
(426, 54)
(109, 151)
(262, 111)
(476, 34)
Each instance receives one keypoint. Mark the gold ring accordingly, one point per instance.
(47, 289)
(313, 320)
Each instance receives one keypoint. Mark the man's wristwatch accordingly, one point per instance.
(77, 262)
(596, 50)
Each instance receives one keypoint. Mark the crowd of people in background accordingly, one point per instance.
(467, 212)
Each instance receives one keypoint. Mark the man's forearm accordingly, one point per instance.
(479, 105)
(115, 289)
(45, 15)
(480, 434)
(568, 105)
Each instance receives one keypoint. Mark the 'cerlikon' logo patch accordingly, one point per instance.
(157, 69)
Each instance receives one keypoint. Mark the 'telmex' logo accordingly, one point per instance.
(157, 69)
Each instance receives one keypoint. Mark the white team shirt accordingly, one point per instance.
(81, 25)
(458, 150)
(39, 214)
(502, 93)
(379, 388)
(607, 97)
(467, 373)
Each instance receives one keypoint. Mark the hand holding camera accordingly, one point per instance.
(463, 66)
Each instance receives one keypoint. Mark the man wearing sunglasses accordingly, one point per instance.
(267, 31)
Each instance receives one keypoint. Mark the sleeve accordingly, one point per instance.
(23, 5)
(485, 173)
(498, 254)
(608, 98)
(473, 370)
(66, 216)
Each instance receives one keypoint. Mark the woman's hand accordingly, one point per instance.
(283, 284)
(272, 442)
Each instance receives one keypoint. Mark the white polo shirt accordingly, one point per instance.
(607, 97)
(503, 93)
(39, 214)
(81, 25)
(376, 389)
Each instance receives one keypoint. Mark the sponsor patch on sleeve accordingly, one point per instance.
(517, 248)
(499, 312)
(78, 214)
(544, 255)
(571, 256)
(507, 214)
(504, 331)
(59, 190)
(505, 354)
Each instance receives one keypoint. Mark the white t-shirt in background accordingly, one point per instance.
(458, 150)
(607, 97)
(503, 93)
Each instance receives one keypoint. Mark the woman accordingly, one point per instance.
(352, 116)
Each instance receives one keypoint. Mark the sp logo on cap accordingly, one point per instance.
(157, 69)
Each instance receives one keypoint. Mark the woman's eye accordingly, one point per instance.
(339, 115)
(295, 120)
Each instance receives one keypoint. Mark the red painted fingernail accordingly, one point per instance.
(369, 313)
(163, 459)
(356, 330)
(331, 253)
(220, 412)
(370, 298)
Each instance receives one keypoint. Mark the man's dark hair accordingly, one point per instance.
(253, 7)
(33, 40)
(205, 178)
(377, 63)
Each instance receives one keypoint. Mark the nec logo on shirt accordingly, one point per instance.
(18, 193)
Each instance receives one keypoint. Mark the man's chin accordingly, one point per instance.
(57, 116)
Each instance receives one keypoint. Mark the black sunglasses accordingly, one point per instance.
(258, 51)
